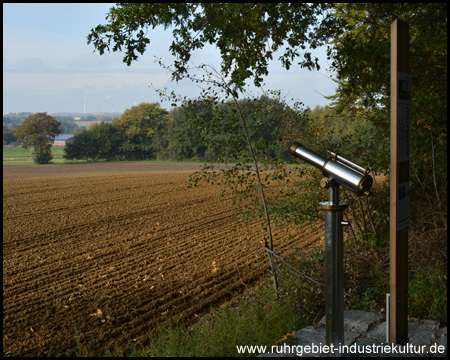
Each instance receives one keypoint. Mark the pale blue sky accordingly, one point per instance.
(48, 66)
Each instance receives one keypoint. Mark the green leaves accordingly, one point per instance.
(361, 60)
(247, 34)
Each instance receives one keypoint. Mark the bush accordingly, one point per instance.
(428, 293)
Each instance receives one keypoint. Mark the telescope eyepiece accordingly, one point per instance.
(294, 147)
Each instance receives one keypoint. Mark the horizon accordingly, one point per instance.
(75, 113)
(65, 113)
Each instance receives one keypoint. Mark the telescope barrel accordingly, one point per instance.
(312, 158)
(345, 175)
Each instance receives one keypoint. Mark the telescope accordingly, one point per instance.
(337, 171)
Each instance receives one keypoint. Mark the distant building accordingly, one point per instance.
(62, 140)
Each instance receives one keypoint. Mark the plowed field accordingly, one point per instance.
(105, 259)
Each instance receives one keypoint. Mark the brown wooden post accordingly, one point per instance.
(399, 186)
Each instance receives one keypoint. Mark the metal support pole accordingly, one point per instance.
(334, 267)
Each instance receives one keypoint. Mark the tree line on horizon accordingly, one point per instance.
(69, 122)
(204, 130)
(147, 131)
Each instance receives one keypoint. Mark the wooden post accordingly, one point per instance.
(399, 186)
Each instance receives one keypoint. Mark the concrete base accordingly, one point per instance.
(365, 335)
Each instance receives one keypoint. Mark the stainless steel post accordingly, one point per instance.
(334, 267)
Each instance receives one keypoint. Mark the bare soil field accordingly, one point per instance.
(33, 171)
(105, 259)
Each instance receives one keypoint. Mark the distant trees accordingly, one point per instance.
(199, 129)
(136, 135)
(82, 146)
(182, 132)
(11, 121)
(68, 124)
(100, 141)
(8, 136)
(138, 126)
(38, 132)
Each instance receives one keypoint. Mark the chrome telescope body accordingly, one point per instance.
(337, 169)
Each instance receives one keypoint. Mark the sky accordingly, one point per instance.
(49, 67)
